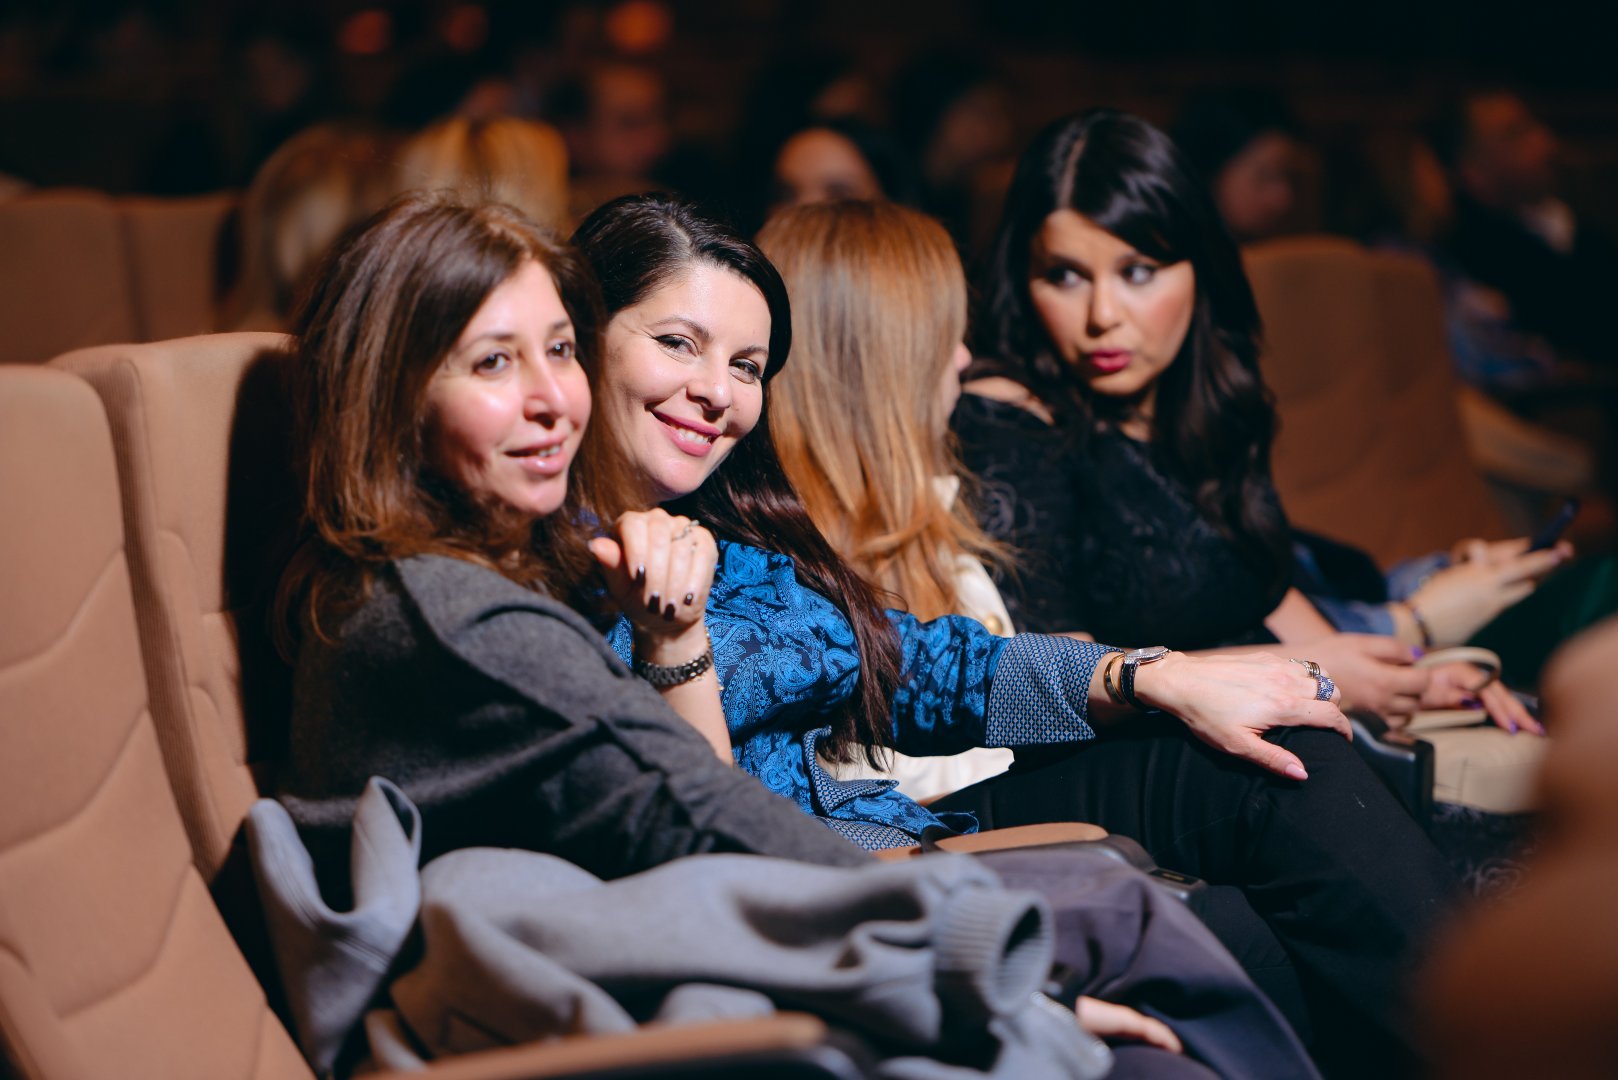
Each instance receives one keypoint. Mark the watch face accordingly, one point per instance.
(1146, 655)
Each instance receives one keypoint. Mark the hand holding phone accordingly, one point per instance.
(1556, 526)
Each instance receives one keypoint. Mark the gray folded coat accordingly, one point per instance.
(930, 960)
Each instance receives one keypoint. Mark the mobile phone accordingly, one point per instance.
(1556, 526)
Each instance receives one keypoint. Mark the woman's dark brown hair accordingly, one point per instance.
(636, 245)
(389, 303)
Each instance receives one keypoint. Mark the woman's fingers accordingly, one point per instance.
(1506, 711)
(678, 582)
(699, 578)
(1106, 1020)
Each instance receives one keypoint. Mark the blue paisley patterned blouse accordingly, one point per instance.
(786, 657)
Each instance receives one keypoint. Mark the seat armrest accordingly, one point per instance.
(1401, 760)
(1014, 836)
(788, 1045)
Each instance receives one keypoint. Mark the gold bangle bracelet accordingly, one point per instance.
(1107, 669)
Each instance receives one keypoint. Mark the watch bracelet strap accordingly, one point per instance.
(1126, 687)
(666, 675)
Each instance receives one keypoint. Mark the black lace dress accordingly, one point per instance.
(1106, 542)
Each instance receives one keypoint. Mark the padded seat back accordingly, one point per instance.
(65, 273)
(199, 433)
(172, 249)
(113, 958)
(1370, 449)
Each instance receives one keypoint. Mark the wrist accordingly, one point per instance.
(1141, 684)
(680, 647)
(1421, 631)
(664, 675)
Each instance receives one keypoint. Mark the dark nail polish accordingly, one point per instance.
(690, 598)
(654, 603)
(1471, 703)
(640, 574)
(668, 613)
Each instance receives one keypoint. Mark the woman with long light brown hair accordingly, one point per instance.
(862, 423)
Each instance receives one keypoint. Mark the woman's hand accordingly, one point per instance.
(1230, 701)
(1484, 580)
(1464, 686)
(1373, 671)
(658, 570)
(1106, 1020)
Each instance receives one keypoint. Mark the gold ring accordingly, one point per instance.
(1310, 666)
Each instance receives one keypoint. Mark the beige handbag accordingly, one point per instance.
(1476, 763)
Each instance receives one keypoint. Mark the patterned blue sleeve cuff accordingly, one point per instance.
(1041, 691)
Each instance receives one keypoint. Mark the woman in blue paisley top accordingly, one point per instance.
(811, 665)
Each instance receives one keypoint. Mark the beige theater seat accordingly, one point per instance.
(114, 961)
(65, 273)
(1371, 448)
(172, 253)
(179, 435)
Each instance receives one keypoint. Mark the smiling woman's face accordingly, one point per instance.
(507, 408)
(684, 378)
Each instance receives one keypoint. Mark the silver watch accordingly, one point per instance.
(1133, 659)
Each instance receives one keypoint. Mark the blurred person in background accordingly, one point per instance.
(1512, 230)
(839, 159)
(1248, 147)
(615, 119)
(315, 186)
(522, 163)
(954, 115)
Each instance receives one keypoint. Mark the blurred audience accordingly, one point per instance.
(316, 185)
(1247, 145)
(615, 120)
(519, 162)
(1513, 232)
(954, 115)
(839, 159)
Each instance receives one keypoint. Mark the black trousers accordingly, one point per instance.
(1121, 938)
(1334, 866)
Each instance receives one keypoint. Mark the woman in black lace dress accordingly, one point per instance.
(1124, 436)
(1124, 453)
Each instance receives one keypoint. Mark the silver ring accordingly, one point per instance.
(1310, 666)
(1324, 688)
(681, 535)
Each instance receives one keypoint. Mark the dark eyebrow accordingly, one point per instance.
(506, 337)
(698, 331)
(703, 334)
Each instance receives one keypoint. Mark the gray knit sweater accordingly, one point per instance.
(508, 720)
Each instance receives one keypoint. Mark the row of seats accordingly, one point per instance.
(82, 268)
(139, 482)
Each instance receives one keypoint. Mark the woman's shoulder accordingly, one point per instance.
(998, 396)
(453, 595)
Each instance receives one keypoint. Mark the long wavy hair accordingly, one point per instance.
(879, 307)
(387, 306)
(639, 243)
(1214, 421)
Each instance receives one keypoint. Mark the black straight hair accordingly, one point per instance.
(1214, 421)
(639, 243)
